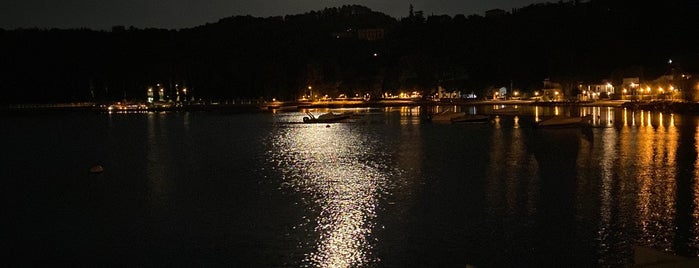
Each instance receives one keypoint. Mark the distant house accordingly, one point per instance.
(495, 13)
(442, 93)
(551, 90)
(370, 34)
(361, 34)
(596, 91)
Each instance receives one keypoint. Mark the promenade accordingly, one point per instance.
(291, 105)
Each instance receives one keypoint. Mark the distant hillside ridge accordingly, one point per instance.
(353, 50)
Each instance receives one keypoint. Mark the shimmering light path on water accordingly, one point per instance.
(341, 174)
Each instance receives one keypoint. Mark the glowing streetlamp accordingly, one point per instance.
(150, 95)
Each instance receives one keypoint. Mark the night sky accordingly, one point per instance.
(175, 14)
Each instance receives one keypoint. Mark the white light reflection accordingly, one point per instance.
(607, 170)
(155, 169)
(329, 167)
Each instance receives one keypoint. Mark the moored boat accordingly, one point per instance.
(471, 118)
(325, 118)
(563, 121)
(445, 116)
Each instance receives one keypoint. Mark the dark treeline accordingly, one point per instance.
(248, 57)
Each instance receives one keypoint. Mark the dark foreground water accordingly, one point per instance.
(387, 190)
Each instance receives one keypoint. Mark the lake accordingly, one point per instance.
(387, 189)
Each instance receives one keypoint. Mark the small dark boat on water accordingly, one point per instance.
(564, 122)
(471, 118)
(445, 116)
(325, 118)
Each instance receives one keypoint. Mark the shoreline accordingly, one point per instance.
(664, 106)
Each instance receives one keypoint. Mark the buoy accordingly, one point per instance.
(96, 169)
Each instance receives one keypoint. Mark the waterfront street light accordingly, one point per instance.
(633, 89)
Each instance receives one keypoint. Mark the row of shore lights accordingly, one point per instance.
(648, 89)
(310, 96)
(161, 92)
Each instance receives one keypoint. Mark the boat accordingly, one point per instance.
(445, 116)
(561, 121)
(471, 118)
(325, 118)
(96, 169)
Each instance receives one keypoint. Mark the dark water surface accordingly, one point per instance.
(385, 190)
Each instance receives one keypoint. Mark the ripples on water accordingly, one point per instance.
(387, 190)
(341, 175)
(555, 193)
(334, 170)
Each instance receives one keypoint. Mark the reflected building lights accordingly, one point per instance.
(695, 214)
(409, 115)
(656, 151)
(660, 121)
(672, 120)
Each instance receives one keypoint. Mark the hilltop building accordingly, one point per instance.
(361, 34)
(370, 34)
(495, 13)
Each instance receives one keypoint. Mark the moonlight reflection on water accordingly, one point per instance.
(334, 170)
